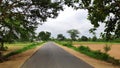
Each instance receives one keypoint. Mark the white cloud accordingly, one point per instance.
(69, 19)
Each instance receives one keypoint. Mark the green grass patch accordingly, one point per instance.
(18, 44)
(27, 47)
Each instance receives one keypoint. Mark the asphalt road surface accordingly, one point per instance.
(52, 56)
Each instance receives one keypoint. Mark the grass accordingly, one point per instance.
(87, 42)
(97, 54)
(23, 49)
(18, 44)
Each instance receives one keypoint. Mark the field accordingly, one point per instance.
(17, 60)
(114, 52)
(15, 46)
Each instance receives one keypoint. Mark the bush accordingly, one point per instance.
(68, 44)
(4, 48)
(83, 48)
(107, 48)
(98, 55)
(94, 54)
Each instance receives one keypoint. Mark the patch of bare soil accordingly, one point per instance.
(95, 63)
(114, 52)
(17, 60)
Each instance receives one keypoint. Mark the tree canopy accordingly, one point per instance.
(60, 37)
(73, 34)
(44, 36)
(18, 17)
(105, 11)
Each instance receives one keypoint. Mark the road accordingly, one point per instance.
(52, 56)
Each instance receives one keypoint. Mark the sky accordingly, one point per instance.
(69, 19)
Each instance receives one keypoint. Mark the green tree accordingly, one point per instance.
(73, 34)
(19, 18)
(60, 37)
(105, 11)
(94, 38)
(84, 38)
(44, 36)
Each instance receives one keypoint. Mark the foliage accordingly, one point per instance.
(19, 18)
(60, 37)
(30, 46)
(98, 55)
(44, 36)
(73, 34)
(4, 48)
(94, 38)
(105, 11)
(107, 48)
(67, 44)
(84, 38)
(95, 54)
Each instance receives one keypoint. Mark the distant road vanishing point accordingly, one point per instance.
(52, 56)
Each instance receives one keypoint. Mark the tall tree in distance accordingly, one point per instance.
(73, 34)
(44, 36)
(60, 37)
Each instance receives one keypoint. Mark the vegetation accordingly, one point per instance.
(73, 34)
(84, 38)
(44, 36)
(20, 18)
(104, 11)
(60, 37)
(107, 48)
(94, 54)
(30, 46)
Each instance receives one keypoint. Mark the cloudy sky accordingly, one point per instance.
(69, 19)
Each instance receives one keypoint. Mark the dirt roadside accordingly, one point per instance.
(17, 60)
(114, 52)
(95, 63)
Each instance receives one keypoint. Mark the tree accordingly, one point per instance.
(73, 34)
(105, 11)
(45, 36)
(84, 38)
(94, 38)
(19, 18)
(60, 37)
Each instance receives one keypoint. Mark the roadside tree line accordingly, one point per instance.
(74, 35)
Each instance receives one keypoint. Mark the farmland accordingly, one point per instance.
(114, 52)
(17, 60)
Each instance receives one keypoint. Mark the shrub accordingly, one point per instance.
(94, 54)
(83, 48)
(107, 48)
(68, 44)
(4, 48)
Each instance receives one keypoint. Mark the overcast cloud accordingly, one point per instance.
(69, 19)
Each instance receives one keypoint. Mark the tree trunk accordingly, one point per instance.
(2, 46)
